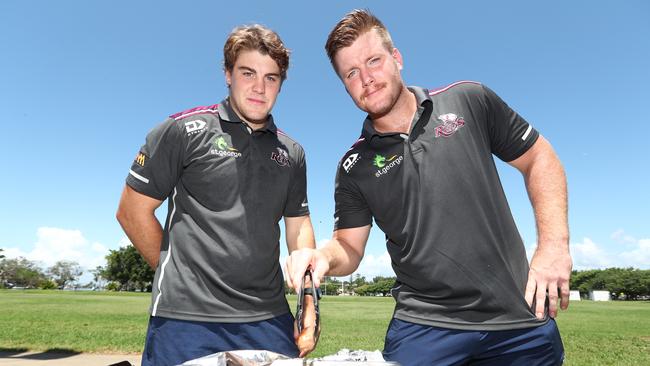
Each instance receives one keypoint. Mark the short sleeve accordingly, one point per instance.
(510, 135)
(297, 204)
(158, 165)
(351, 209)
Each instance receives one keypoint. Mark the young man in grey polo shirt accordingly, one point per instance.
(229, 175)
(424, 170)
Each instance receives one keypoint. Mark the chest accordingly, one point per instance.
(403, 175)
(225, 167)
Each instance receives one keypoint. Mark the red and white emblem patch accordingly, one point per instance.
(281, 157)
(450, 123)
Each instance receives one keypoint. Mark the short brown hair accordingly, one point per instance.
(354, 24)
(257, 38)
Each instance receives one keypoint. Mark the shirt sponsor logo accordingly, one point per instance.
(385, 165)
(450, 123)
(281, 157)
(350, 161)
(196, 126)
(221, 148)
(141, 158)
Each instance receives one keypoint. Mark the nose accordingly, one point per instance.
(366, 78)
(258, 85)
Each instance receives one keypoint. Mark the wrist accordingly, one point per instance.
(555, 242)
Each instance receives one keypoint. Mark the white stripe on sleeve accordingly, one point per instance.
(525, 136)
(138, 176)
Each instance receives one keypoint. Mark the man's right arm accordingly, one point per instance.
(136, 216)
(339, 257)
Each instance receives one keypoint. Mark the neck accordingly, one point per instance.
(253, 125)
(400, 116)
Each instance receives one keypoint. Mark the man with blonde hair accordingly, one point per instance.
(229, 175)
(423, 169)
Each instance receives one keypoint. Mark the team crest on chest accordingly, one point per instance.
(281, 157)
(450, 123)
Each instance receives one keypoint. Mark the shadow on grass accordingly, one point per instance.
(9, 352)
(50, 354)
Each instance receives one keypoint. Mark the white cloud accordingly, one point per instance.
(124, 242)
(628, 252)
(620, 237)
(321, 243)
(99, 248)
(588, 255)
(13, 253)
(372, 266)
(55, 244)
(639, 257)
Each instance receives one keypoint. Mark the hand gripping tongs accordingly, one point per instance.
(315, 293)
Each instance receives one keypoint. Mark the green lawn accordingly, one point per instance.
(76, 321)
(613, 333)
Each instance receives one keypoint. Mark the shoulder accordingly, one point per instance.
(194, 120)
(210, 110)
(471, 94)
(289, 142)
(458, 88)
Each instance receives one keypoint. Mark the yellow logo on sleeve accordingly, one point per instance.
(140, 159)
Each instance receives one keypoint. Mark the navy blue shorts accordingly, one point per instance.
(173, 341)
(414, 344)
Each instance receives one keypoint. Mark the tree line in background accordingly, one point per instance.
(622, 283)
(23, 273)
(354, 285)
(126, 270)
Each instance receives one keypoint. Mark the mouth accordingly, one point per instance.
(256, 101)
(373, 92)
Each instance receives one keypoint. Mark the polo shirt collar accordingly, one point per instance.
(421, 97)
(226, 113)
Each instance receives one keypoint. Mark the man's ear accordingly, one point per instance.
(397, 56)
(228, 77)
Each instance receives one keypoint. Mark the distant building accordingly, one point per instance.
(596, 295)
(574, 295)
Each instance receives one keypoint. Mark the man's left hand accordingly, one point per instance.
(550, 270)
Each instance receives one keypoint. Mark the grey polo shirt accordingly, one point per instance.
(227, 189)
(435, 193)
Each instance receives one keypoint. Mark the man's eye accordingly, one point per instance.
(352, 74)
(247, 74)
(272, 78)
(373, 61)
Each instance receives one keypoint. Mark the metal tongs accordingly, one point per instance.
(316, 294)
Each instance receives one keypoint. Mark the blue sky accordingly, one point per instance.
(81, 83)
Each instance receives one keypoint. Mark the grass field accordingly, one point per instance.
(613, 333)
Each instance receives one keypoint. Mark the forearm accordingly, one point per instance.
(550, 267)
(339, 257)
(145, 233)
(147, 238)
(299, 233)
(547, 190)
(343, 260)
